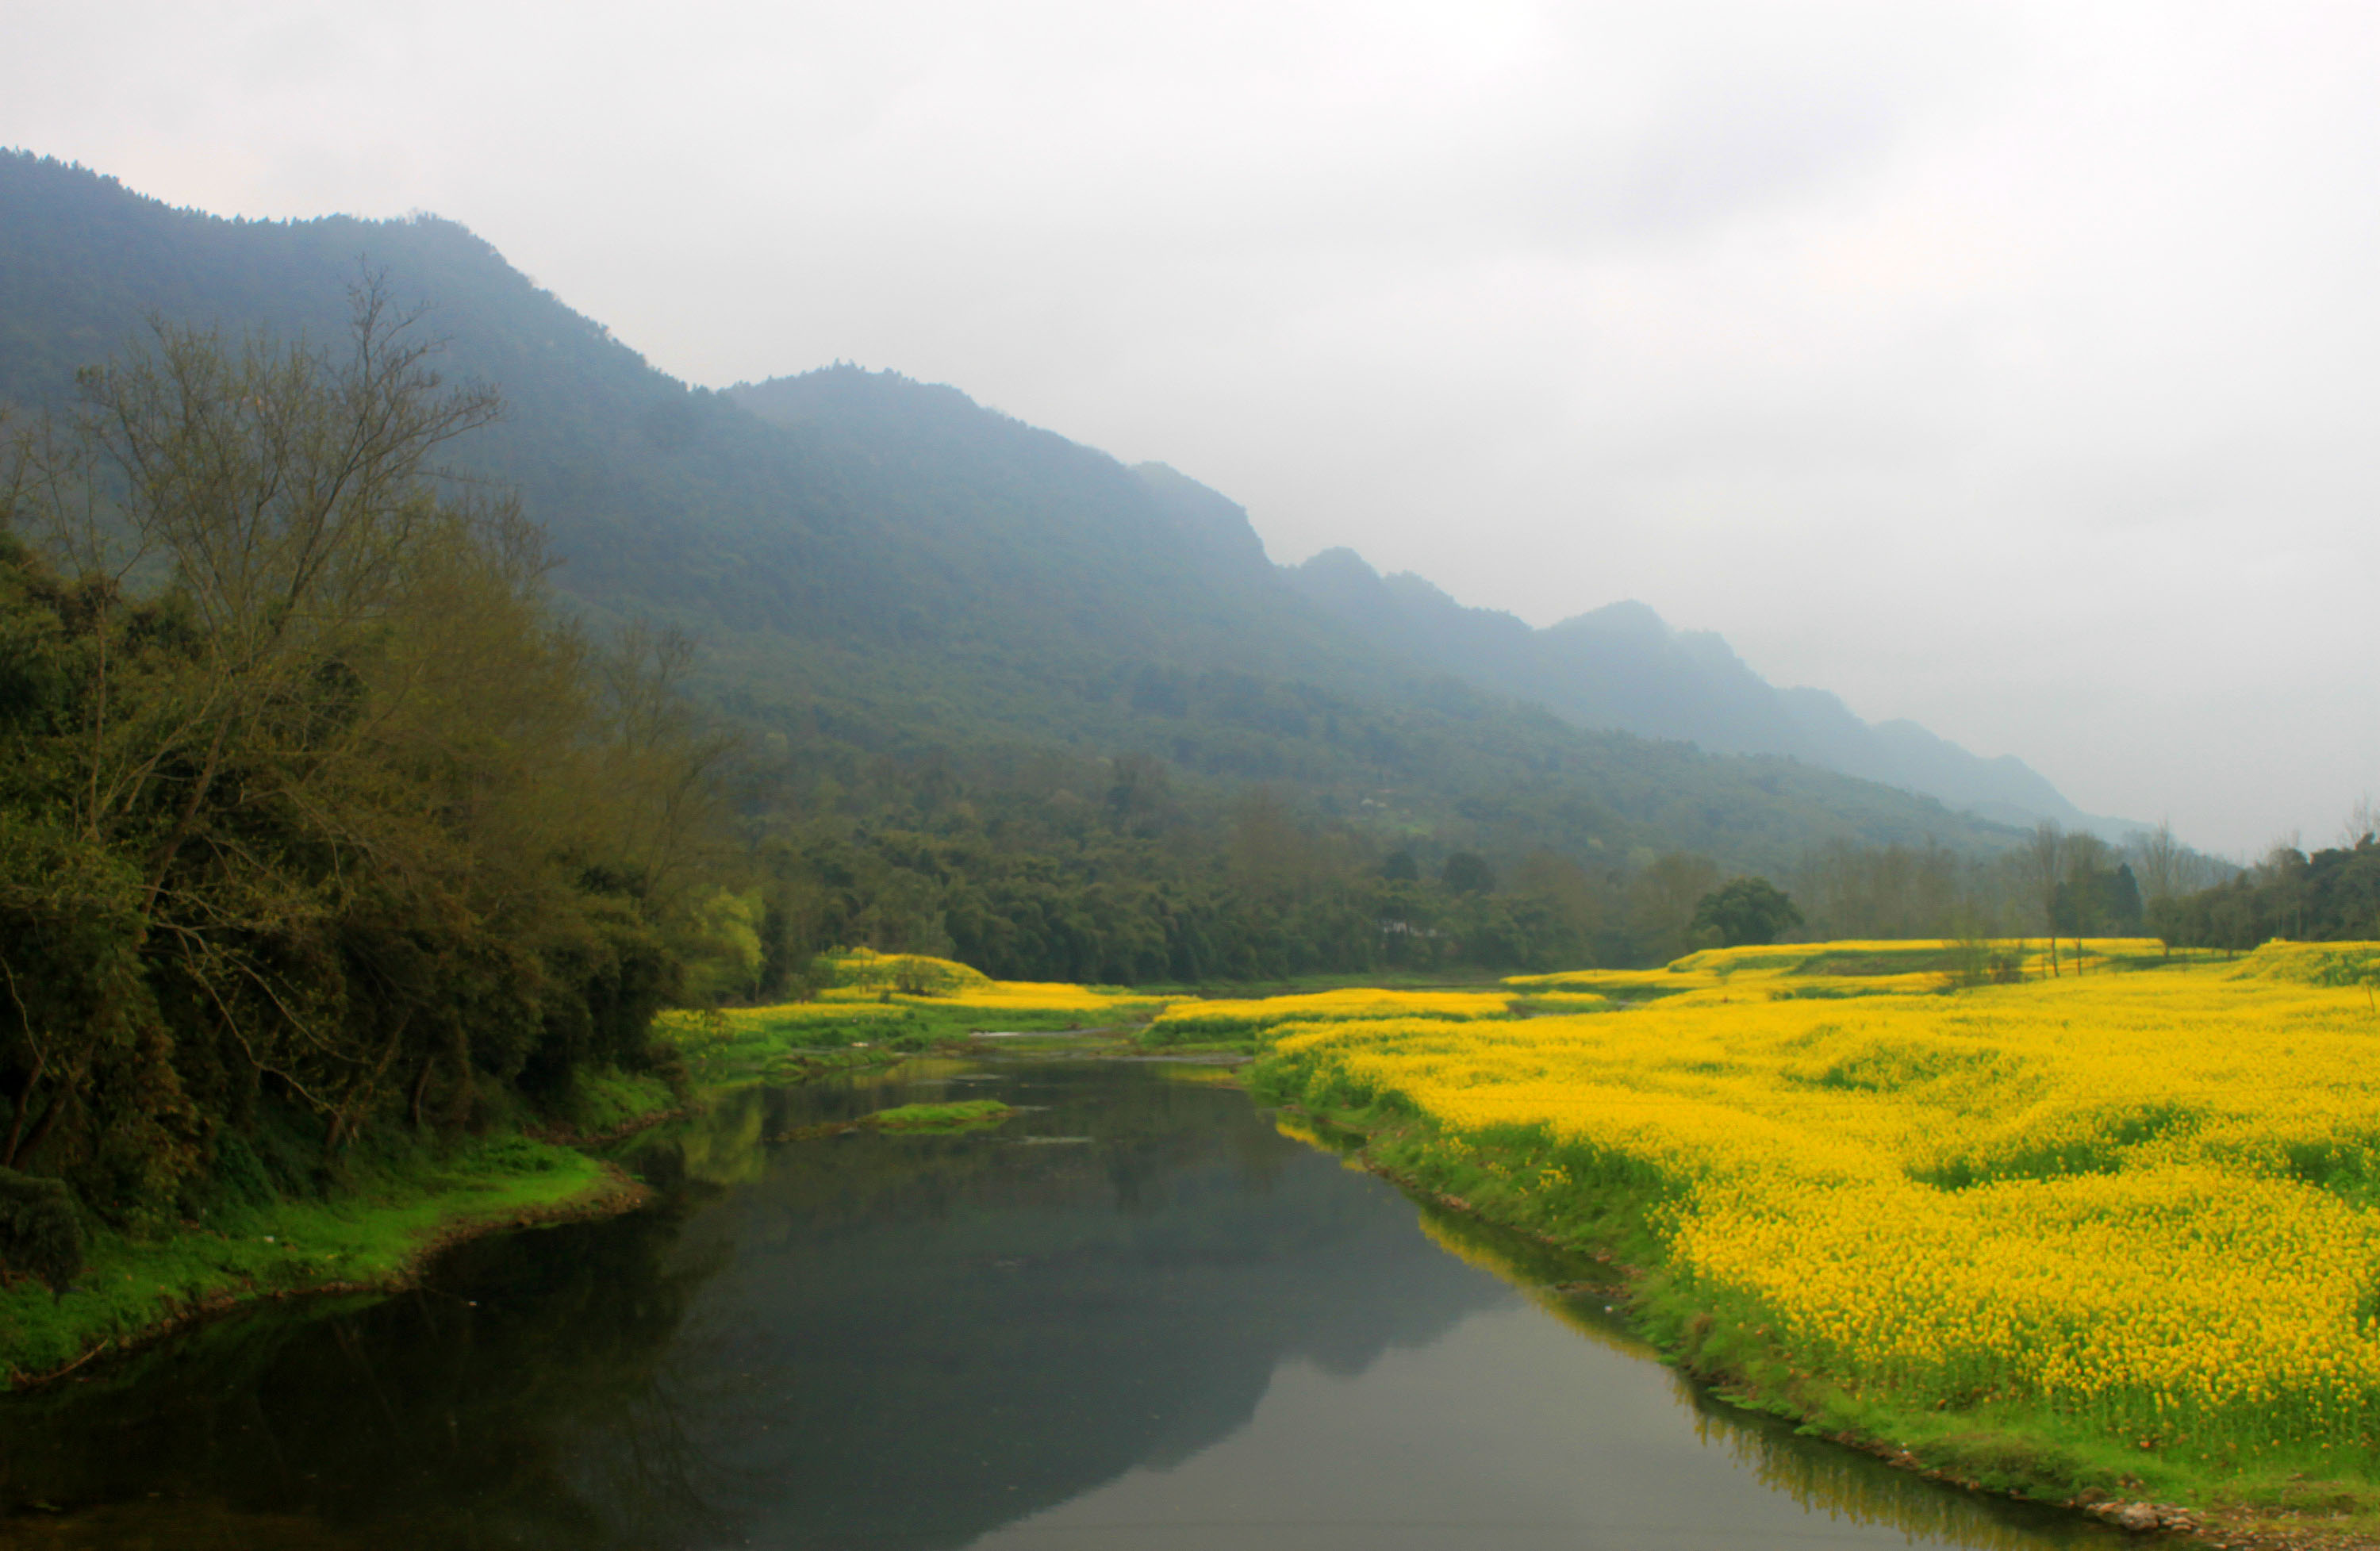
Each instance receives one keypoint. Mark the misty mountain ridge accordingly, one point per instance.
(881, 568)
(1622, 666)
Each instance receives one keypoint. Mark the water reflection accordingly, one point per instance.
(1188, 1330)
(445, 1415)
(921, 1338)
(1849, 1489)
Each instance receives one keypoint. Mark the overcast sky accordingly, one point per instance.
(2009, 366)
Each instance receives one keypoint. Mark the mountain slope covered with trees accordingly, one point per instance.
(997, 693)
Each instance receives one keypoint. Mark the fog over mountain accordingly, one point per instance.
(2002, 368)
(1622, 666)
(882, 568)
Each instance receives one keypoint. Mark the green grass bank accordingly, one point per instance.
(286, 1225)
(797, 1041)
(370, 1231)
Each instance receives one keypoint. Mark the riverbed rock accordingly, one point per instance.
(2139, 1517)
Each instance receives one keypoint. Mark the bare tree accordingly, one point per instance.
(2157, 862)
(2042, 863)
(1661, 899)
(283, 489)
(662, 763)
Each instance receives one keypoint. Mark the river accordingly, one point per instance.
(1138, 1315)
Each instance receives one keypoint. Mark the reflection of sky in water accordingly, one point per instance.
(1509, 1431)
(1199, 1331)
(1190, 1330)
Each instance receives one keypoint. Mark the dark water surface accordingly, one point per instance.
(1138, 1316)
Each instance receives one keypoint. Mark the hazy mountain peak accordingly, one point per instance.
(1622, 666)
(1711, 648)
(1341, 564)
(1416, 588)
(1628, 618)
(1207, 516)
(844, 399)
(827, 390)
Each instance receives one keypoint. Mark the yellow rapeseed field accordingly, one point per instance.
(1227, 1018)
(864, 976)
(1038, 996)
(901, 1000)
(2144, 1198)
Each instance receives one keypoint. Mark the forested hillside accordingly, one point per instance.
(997, 693)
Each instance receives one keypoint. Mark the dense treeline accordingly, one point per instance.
(1127, 870)
(312, 818)
(2071, 884)
(2332, 895)
(1121, 870)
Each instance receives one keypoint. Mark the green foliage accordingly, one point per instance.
(1744, 911)
(1466, 873)
(1218, 895)
(603, 1100)
(308, 805)
(2331, 896)
(2097, 901)
(718, 1048)
(962, 1115)
(725, 957)
(40, 1233)
(399, 1195)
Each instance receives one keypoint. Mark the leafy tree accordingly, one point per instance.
(1744, 910)
(725, 957)
(1467, 873)
(310, 808)
(2097, 901)
(2333, 895)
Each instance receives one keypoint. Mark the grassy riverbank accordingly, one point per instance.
(371, 1230)
(288, 1224)
(285, 1222)
(2105, 1237)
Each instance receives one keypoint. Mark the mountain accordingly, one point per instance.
(1622, 666)
(882, 570)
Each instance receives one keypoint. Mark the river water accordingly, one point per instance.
(1140, 1314)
